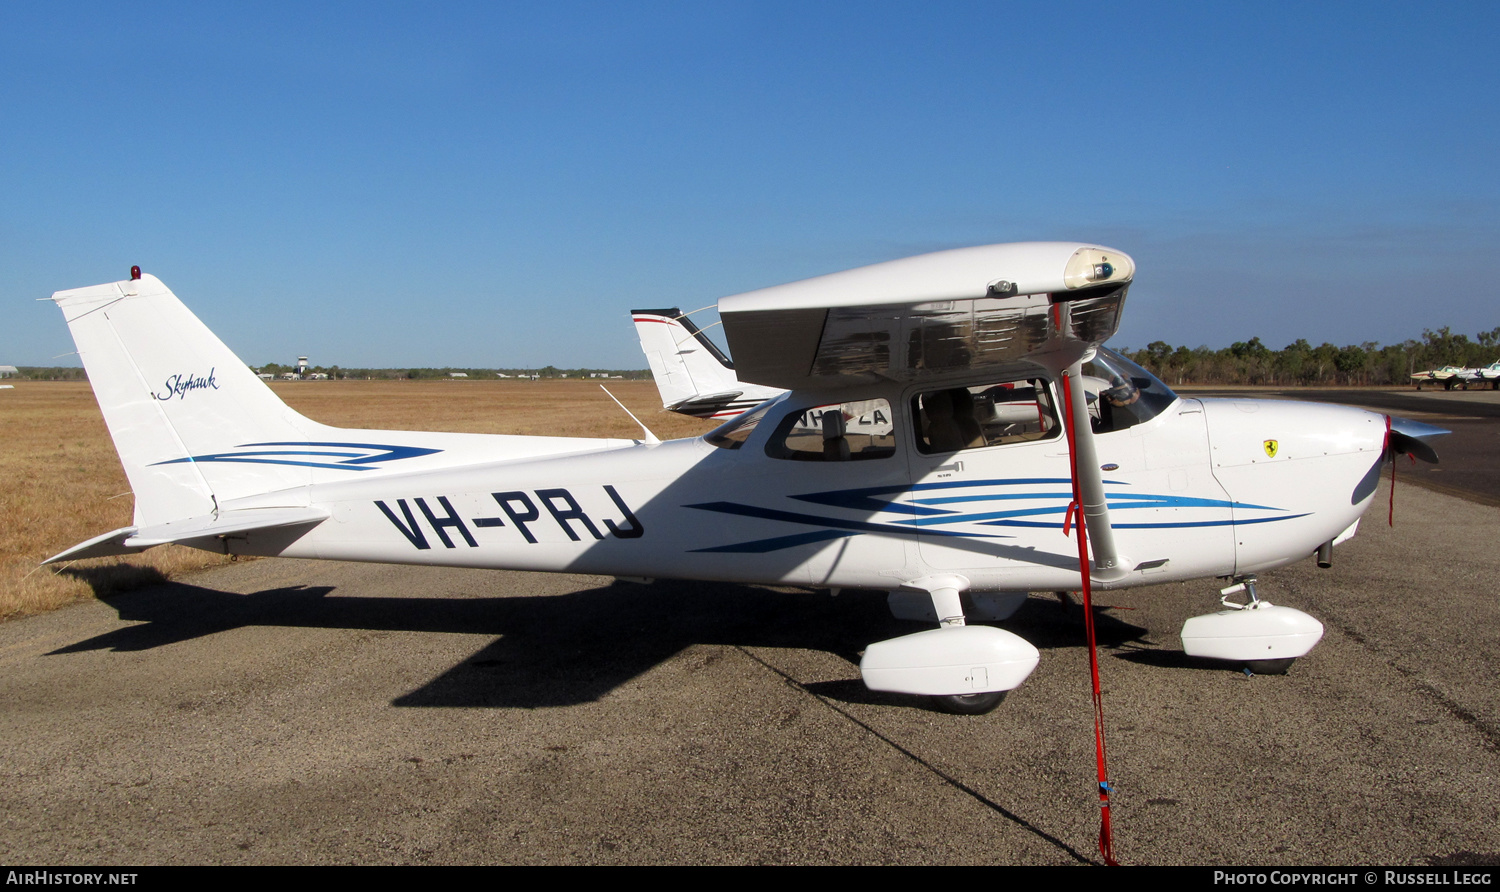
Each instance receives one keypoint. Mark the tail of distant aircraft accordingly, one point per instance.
(692, 374)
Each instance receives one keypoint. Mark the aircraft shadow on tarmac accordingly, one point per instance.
(561, 650)
(1176, 659)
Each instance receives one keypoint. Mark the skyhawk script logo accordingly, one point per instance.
(180, 385)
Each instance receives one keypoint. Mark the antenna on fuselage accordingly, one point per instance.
(651, 439)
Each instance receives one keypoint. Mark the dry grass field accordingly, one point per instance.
(60, 482)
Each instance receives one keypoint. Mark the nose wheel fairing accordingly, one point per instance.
(1261, 635)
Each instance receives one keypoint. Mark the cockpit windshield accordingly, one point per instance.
(1121, 394)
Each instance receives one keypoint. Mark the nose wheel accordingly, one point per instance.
(1270, 667)
(969, 704)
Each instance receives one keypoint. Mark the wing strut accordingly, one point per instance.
(1088, 502)
(1088, 483)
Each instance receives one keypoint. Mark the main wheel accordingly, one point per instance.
(1270, 667)
(970, 704)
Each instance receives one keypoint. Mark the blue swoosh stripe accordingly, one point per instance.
(353, 461)
(763, 546)
(834, 522)
(1117, 500)
(864, 499)
(1152, 526)
(928, 518)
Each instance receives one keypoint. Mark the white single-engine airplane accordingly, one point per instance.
(919, 449)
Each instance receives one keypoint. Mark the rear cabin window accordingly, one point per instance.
(974, 417)
(853, 431)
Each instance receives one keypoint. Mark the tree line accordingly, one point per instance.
(1300, 363)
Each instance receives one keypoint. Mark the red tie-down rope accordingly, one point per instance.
(1075, 511)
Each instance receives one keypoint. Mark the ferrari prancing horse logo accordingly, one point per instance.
(1270, 448)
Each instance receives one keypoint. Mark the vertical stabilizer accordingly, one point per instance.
(176, 398)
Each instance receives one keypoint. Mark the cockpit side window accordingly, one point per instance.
(853, 431)
(977, 416)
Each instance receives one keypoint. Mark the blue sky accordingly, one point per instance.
(496, 184)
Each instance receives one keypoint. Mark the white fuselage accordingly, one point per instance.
(1204, 488)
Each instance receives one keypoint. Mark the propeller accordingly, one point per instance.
(1410, 438)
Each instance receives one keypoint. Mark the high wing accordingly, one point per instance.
(997, 307)
(931, 316)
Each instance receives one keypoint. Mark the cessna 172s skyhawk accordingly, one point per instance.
(920, 449)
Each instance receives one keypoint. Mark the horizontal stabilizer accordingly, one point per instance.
(716, 397)
(226, 523)
(107, 545)
(711, 399)
(131, 540)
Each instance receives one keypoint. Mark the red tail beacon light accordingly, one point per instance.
(135, 273)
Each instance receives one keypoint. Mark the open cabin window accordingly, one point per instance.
(854, 431)
(973, 417)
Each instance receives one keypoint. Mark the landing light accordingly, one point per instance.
(1093, 266)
